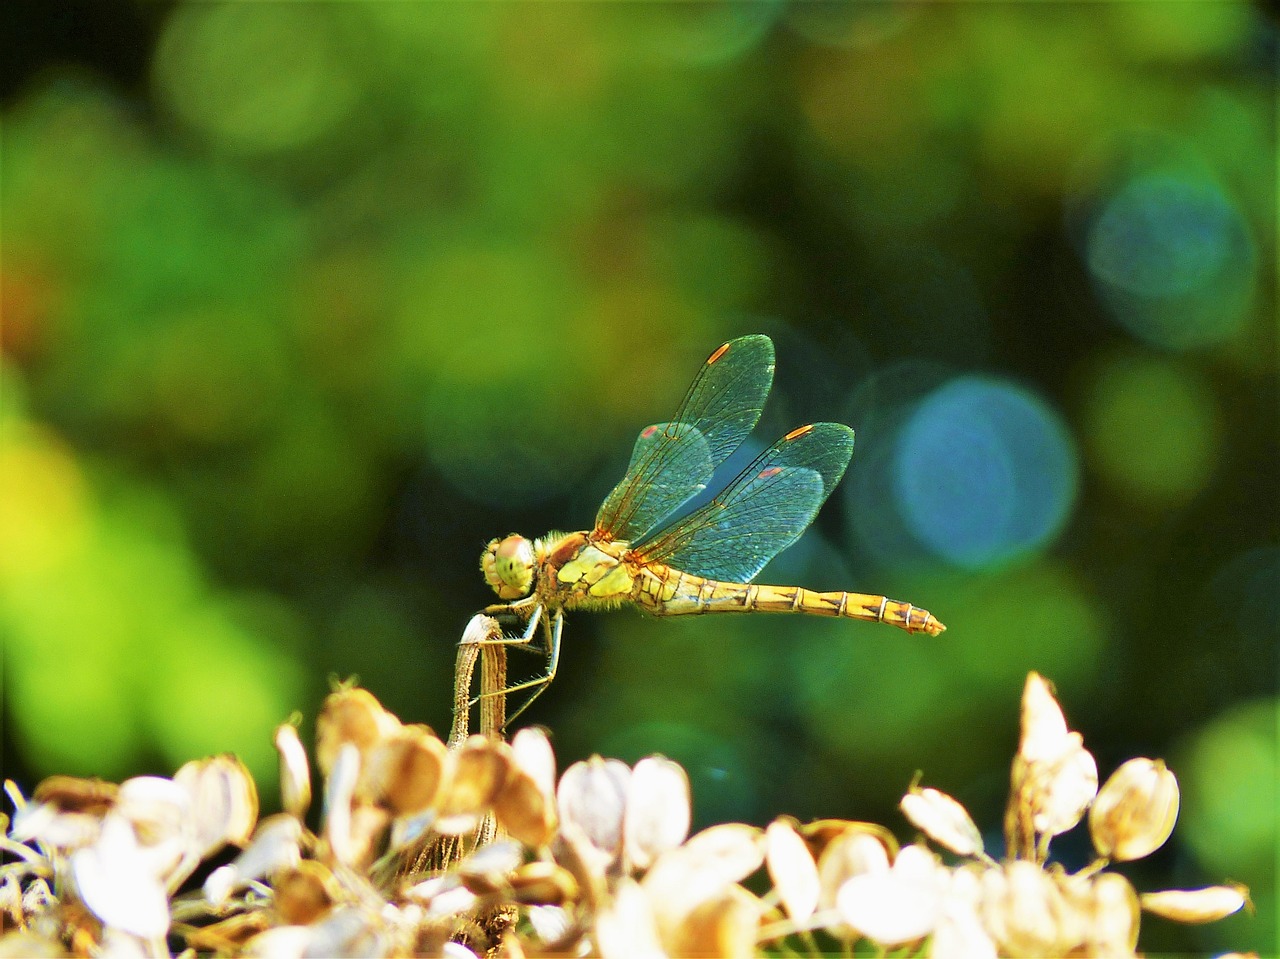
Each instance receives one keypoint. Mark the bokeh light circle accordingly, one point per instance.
(255, 78)
(984, 472)
(1172, 257)
(1152, 429)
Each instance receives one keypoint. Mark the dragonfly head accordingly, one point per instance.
(508, 565)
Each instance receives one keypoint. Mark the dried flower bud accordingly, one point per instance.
(295, 771)
(70, 794)
(1196, 905)
(224, 801)
(1135, 811)
(1044, 728)
(699, 871)
(1100, 914)
(792, 869)
(657, 810)
(943, 820)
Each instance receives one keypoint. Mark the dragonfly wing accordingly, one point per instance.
(762, 512)
(674, 461)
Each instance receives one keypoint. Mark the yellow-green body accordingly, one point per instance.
(576, 572)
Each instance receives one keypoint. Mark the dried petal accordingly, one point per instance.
(792, 869)
(159, 811)
(224, 801)
(889, 908)
(295, 771)
(339, 793)
(626, 927)
(721, 926)
(63, 831)
(533, 754)
(1135, 811)
(657, 810)
(1196, 905)
(118, 885)
(592, 797)
(275, 846)
(943, 820)
(282, 942)
(701, 870)
(853, 853)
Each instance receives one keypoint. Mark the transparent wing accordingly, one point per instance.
(673, 461)
(762, 512)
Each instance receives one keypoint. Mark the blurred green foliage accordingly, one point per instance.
(340, 291)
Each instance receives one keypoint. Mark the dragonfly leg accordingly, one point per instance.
(552, 632)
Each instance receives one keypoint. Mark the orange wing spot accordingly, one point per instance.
(724, 348)
(771, 471)
(649, 431)
(798, 432)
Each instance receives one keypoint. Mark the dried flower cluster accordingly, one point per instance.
(475, 849)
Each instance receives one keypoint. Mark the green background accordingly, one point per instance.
(303, 303)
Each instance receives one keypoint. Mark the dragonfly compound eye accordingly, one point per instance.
(507, 565)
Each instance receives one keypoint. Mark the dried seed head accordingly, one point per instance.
(304, 893)
(295, 771)
(224, 801)
(350, 716)
(592, 798)
(544, 884)
(404, 772)
(1135, 811)
(657, 810)
(70, 794)
(1197, 905)
(943, 820)
(1022, 909)
(481, 768)
(524, 810)
(792, 869)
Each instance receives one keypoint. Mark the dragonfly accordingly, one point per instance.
(644, 552)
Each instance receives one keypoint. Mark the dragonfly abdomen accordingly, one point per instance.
(670, 592)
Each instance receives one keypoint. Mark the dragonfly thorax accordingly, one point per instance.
(508, 566)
